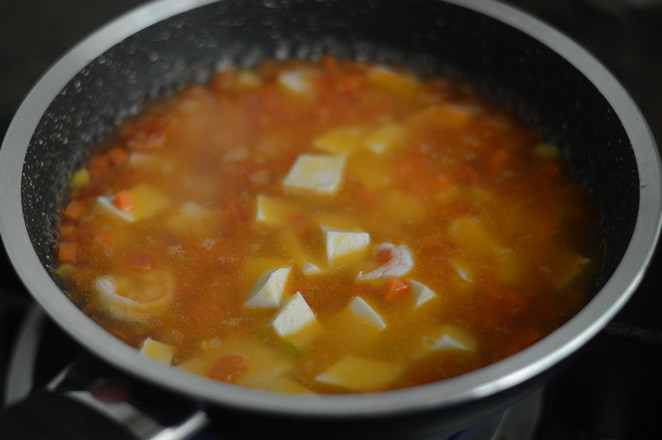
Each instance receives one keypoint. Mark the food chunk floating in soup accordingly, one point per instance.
(326, 227)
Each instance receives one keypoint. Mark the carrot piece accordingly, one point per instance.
(67, 230)
(123, 201)
(98, 167)
(395, 288)
(229, 368)
(118, 155)
(74, 210)
(105, 236)
(67, 252)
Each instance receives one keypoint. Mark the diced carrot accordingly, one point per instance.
(105, 236)
(118, 155)
(98, 167)
(229, 368)
(74, 210)
(395, 288)
(67, 230)
(123, 201)
(67, 252)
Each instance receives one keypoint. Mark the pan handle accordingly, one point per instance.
(89, 399)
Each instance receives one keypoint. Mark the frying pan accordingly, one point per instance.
(510, 57)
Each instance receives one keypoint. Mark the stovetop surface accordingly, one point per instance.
(611, 389)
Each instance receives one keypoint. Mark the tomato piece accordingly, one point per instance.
(229, 368)
(395, 288)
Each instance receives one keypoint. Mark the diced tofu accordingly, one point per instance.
(320, 174)
(462, 270)
(343, 243)
(310, 269)
(268, 290)
(294, 316)
(158, 350)
(449, 337)
(421, 293)
(362, 309)
(359, 374)
(384, 137)
(343, 140)
(296, 81)
(146, 202)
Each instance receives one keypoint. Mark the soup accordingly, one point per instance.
(326, 227)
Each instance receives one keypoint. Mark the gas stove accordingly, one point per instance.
(607, 391)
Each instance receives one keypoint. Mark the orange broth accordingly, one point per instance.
(326, 227)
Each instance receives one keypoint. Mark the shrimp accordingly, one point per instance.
(399, 263)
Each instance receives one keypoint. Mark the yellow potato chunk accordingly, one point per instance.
(343, 140)
(157, 350)
(360, 374)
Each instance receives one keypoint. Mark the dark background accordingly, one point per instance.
(613, 388)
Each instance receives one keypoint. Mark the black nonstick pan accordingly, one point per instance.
(503, 53)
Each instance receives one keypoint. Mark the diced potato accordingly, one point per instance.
(320, 174)
(404, 208)
(360, 308)
(273, 210)
(158, 350)
(293, 316)
(384, 137)
(343, 243)
(421, 293)
(441, 116)
(268, 290)
(192, 218)
(372, 172)
(400, 84)
(247, 78)
(339, 141)
(147, 202)
(292, 247)
(359, 374)
(509, 265)
(469, 234)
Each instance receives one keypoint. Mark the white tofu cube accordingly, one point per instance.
(296, 81)
(310, 269)
(268, 290)
(362, 309)
(294, 316)
(359, 374)
(107, 203)
(342, 243)
(320, 174)
(157, 350)
(451, 338)
(421, 293)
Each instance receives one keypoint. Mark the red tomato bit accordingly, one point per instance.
(229, 368)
